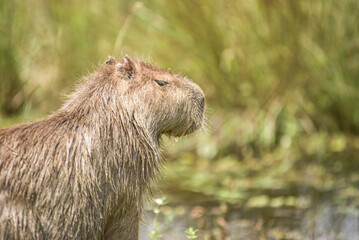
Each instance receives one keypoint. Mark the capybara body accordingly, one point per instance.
(85, 171)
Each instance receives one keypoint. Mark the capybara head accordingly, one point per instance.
(163, 102)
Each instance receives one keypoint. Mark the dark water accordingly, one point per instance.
(281, 197)
(265, 215)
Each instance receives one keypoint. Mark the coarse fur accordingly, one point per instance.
(85, 171)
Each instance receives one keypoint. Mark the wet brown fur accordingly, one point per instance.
(85, 171)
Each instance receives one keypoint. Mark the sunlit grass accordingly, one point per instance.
(265, 59)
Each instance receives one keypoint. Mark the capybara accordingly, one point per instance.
(85, 171)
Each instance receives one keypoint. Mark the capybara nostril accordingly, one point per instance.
(203, 102)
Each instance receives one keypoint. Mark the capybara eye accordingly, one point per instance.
(161, 83)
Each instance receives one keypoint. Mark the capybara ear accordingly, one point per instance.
(111, 60)
(128, 67)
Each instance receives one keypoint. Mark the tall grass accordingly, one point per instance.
(267, 61)
(256, 54)
(11, 93)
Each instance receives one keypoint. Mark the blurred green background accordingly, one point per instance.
(281, 80)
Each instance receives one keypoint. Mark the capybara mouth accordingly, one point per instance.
(193, 127)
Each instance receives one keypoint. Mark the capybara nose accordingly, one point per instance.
(200, 99)
(202, 102)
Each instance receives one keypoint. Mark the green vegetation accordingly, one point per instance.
(155, 232)
(281, 79)
(191, 233)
